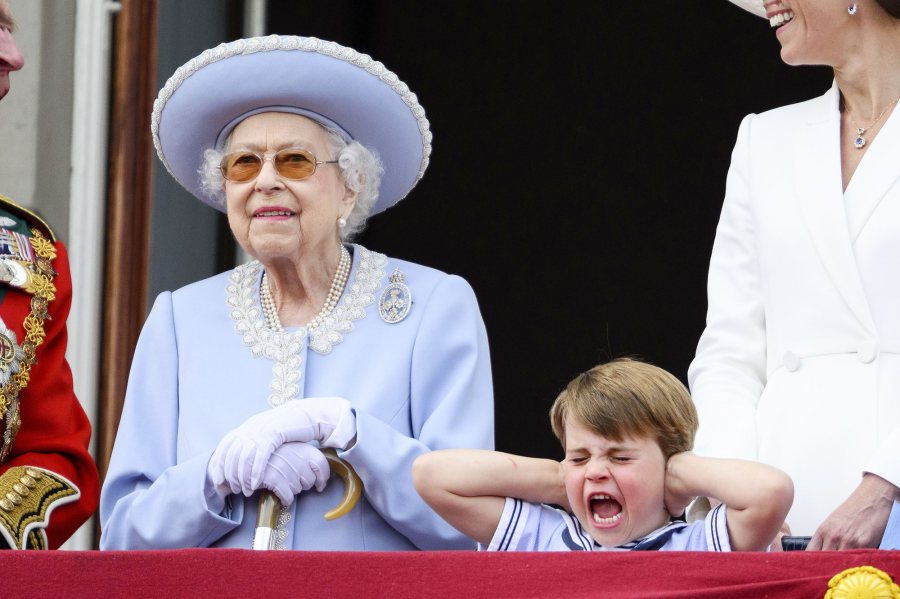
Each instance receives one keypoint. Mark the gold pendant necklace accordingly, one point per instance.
(860, 142)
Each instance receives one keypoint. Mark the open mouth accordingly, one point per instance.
(605, 510)
(778, 14)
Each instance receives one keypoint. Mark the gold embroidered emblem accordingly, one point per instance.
(864, 582)
(27, 495)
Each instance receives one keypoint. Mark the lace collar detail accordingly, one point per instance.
(285, 348)
(359, 295)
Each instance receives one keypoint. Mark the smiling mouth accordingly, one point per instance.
(778, 14)
(270, 213)
(604, 509)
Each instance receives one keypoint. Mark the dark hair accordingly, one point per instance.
(891, 6)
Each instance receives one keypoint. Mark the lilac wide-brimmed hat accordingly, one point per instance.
(207, 97)
(754, 6)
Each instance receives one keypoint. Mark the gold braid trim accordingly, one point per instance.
(27, 496)
(43, 247)
(44, 293)
(36, 540)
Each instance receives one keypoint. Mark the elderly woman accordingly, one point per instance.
(240, 381)
(799, 365)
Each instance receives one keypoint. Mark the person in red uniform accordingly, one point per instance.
(48, 481)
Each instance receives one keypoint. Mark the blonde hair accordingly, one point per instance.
(627, 397)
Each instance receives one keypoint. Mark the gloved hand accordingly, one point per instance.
(243, 454)
(295, 467)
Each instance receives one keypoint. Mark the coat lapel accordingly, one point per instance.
(875, 176)
(817, 163)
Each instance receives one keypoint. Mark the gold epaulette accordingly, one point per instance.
(33, 220)
(27, 496)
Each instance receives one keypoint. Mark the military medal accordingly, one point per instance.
(396, 299)
(10, 353)
(16, 258)
(16, 246)
(20, 255)
(7, 272)
(12, 272)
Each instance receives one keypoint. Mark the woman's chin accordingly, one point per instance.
(794, 55)
(789, 58)
(273, 248)
(262, 239)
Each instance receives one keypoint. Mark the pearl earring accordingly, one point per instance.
(342, 222)
(851, 10)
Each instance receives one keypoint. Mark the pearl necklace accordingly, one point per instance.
(270, 310)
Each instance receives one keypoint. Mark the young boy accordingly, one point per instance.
(627, 428)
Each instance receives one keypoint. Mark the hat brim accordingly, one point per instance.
(753, 6)
(332, 84)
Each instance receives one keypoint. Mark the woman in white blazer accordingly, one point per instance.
(799, 365)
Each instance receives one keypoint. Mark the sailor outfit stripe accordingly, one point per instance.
(651, 542)
(577, 531)
(658, 538)
(525, 526)
(716, 525)
(511, 526)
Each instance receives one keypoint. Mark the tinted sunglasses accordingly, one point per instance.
(291, 163)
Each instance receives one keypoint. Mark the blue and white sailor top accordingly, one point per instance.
(538, 527)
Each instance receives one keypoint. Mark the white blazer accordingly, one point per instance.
(799, 365)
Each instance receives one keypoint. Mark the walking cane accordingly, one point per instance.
(270, 507)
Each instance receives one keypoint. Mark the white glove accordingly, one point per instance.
(243, 454)
(295, 467)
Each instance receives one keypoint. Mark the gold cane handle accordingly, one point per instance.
(270, 508)
(352, 484)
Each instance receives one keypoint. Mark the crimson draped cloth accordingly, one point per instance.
(398, 575)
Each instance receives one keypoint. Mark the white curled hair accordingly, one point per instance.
(360, 170)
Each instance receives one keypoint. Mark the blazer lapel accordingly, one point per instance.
(876, 175)
(817, 163)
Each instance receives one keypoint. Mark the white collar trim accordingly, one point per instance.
(285, 348)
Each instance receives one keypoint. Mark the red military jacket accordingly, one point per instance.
(49, 484)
